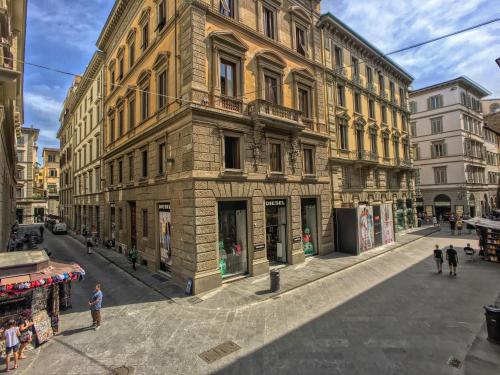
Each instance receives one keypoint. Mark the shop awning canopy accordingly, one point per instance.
(484, 223)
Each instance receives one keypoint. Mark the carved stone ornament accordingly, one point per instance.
(294, 152)
(257, 144)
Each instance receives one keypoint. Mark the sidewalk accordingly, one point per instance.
(251, 290)
(483, 356)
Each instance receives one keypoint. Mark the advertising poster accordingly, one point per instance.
(387, 223)
(365, 232)
(165, 232)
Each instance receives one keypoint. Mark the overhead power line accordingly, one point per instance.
(45, 67)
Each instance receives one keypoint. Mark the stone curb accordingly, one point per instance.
(99, 251)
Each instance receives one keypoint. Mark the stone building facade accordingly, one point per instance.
(228, 134)
(12, 40)
(454, 153)
(50, 172)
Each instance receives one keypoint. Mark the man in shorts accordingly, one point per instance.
(11, 336)
(452, 257)
(438, 257)
(95, 304)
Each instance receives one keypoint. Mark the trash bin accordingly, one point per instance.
(493, 323)
(275, 280)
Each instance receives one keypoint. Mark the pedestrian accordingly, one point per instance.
(452, 224)
(95, 304)
(452, 258)
(438, 257)
(434, 221)
(468, 250)
(89, 245)
(41, 229)
(25, 336)
(133, 255)
(460, 225)
(11, 338)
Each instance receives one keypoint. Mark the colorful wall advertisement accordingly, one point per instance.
(387, 223)
(366, 235)
(165, 231)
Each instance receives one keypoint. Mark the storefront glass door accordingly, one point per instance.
(276, 230)
(309, 225)
(165, 233)
(232, 243)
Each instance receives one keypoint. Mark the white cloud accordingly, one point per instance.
(42, 105)
(393, 25)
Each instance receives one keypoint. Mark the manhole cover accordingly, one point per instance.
(219, 351)
(453, 362)
(122, 370)
(160, 278)
(195, 300)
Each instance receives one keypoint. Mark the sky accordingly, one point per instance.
(61, 34)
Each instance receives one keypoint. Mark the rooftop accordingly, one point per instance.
(462, 80)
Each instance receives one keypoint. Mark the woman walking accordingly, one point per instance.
(10, 336)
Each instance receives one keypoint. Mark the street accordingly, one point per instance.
(390, 315)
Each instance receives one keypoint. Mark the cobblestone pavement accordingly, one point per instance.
(389, 315)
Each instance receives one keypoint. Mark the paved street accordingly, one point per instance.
(389, 315)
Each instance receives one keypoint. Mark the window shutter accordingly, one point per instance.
(445, 152)
(418, 153)
(429, 103)
(440, 100)
(432, 152)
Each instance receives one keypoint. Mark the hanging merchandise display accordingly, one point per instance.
(232, 243)
(366, 238)
(307, 241)
(309, 225)
(165, 230)
(387, 223)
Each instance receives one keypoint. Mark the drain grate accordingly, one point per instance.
(194, 300)
(160, 278)
(453, 362)
(122, 370)
(219, 351)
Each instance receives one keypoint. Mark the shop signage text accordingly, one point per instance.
(259, 246)
(297, 239)
(278, 202)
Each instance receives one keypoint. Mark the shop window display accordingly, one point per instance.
(400, 215)
(165, 230)
(309, 226)
(232, 243)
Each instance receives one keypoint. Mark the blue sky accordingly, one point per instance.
(62, 34)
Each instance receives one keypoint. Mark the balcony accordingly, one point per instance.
(371, 87)
(360, 157)
(276, 116)
(340, 71)
(357, 80)
(231, 103)
(367, 156)
(384, 95)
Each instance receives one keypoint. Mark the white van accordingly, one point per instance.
(59, 228)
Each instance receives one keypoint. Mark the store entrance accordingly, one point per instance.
(276, 230)
(309, 212)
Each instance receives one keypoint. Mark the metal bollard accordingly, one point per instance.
(274, 276)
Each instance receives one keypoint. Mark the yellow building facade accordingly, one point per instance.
(51, 172)
(221, 134)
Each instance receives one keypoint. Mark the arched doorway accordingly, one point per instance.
(442, 206)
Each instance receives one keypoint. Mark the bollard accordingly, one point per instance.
(275, 280)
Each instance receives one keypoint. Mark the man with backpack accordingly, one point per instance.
(452, 257)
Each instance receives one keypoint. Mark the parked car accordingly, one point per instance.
(59, 228)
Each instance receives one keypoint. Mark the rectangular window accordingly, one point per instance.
(131, 113)
(111, 174)
(232, 152)
(144, 223)
(161, 158)
(269, 23)
(112, 129)
(394, 118)
(120, 219)
(436, 125)
(97, 147)
(440, 175)
(144, 163)
(112, 85)
(383, 113)
(304, 104)
(131, 168)
(300, 39)
(435, 101)
(392, 90)
(413, 129)
(381, 84)
(308, 160)
(145, 36)
(357, 102)
(369, 74)
(120, 122)
(120, 172)
(162, 17)
(344, 136)
(385, 141)
(162, 89)
(371, 108)
(120, 69)
(53, 173)
(413, 107)
(131, 54)
(341, 95)
(438, 149)
(271, 88)
(373, 142)
(275, 157)
(338, 57)
(355, 67)
(226, 8)
(144, 103)
(227, 78)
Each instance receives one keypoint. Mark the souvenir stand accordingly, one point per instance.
(34, 287)
(489, 237)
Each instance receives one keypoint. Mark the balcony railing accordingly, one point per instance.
(308, 123)
(383, 94)
(341, 71)
(263, 107)
(371, 87)
(231, 103)
(357, 79)
(367, 155)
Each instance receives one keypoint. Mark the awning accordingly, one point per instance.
(484, 223)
